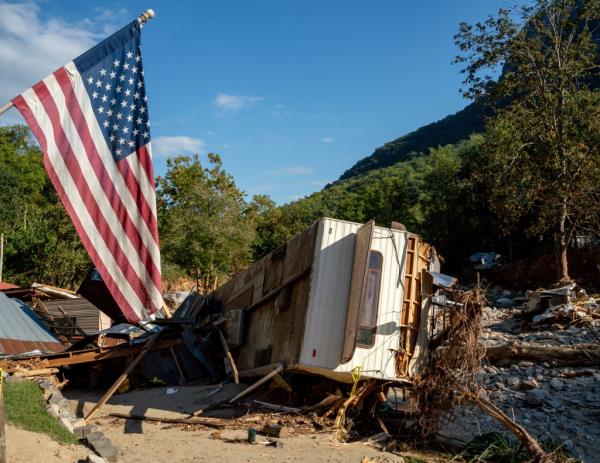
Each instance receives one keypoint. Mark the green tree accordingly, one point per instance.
(543, 143)
(205, 223)
(41, 242)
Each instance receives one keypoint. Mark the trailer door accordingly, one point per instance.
(358, 281)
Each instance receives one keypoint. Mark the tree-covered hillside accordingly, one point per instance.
(449, 130)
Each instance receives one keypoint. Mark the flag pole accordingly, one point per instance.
(142, 19)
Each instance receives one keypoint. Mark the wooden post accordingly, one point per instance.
(234, 370)
(2, 435)
(108, 394)
(1, 254)
(176, 360)
(256, 384)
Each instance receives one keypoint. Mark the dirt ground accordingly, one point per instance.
(142, 441)
(164, 443)
(29, 447)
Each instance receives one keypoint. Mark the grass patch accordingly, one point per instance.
(25, 408)
(498, 448)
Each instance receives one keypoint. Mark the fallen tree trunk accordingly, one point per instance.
(580, 355)
(519, 431)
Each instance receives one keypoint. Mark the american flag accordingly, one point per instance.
(91, 120)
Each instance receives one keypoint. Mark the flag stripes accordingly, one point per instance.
(112, 204)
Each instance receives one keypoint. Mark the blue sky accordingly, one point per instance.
(290, 93)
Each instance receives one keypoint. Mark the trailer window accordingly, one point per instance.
(369, 306)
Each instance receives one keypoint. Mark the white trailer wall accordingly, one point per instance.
(328, 300)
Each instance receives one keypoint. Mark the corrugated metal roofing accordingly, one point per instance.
(22, 331)
(4, 285)
(86, 314)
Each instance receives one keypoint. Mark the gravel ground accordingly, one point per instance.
(546, 400)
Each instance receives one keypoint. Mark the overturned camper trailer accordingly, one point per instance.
(338, 296)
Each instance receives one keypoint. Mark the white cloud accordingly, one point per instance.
(279, 110)
(328, 140)
(291, 170)
(33, 47)
(173, 146)
(235, 102)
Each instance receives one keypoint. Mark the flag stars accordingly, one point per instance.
(112, 137)
(131, 144)
(104, 98)
(105, 124)
(129, 54)
(132, 107)
(103, 72)
(101, 109)
(136, 95)
(122, 77)
(108, 86)
(135, 132)
(113, 74)
(109, 112)
(118, 89)
(95, 95)
(113, 101)
(123, 103)
(126, 66)
(90, 80)
(115, 127)
(98, 83)
(125, 129)
(137, 58)
(121, 141)
(146, 134)
(127, 92)
(138, 121)
(134, 69)
(118, 151)
(119, 116)
(130, 81)
(142, 110)
(116, 63)
(129, 118)
(140, 84)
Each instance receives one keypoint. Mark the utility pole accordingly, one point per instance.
(1, 254)
(2, 435)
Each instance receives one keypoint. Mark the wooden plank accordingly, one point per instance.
(234, 370)
(108, 394)
(360, 264)
(261, 381)
(210, 422)
(176, 360)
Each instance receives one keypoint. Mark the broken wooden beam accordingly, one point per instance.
(22, 373)
(108, 394)
(210, 422)
(234, 370)
(261, 381)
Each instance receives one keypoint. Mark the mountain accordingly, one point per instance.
(449, 130)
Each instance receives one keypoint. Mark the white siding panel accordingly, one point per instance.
(328, 300)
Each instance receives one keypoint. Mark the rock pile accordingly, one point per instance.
(558, 404)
